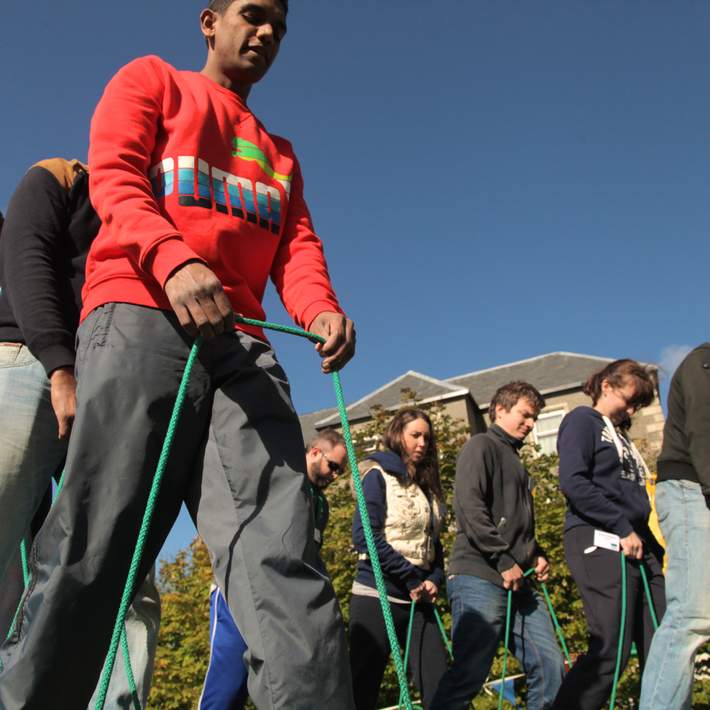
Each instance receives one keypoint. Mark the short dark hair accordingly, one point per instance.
(328, 436)
(620, 373)
(220, 6)
(509, 395)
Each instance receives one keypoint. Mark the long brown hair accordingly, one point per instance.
(426, 473)
(619, 374)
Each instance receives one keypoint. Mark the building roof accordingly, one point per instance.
(389, 396)
(309, 420)
(552, 372)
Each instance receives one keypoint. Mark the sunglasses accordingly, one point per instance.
(333, 467)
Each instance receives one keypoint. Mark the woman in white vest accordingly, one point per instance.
(406, 510)
(603, 477)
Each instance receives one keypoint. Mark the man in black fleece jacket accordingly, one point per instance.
(495, 545)
(683, 505)
(49, 228)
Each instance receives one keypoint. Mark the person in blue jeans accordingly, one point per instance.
(494, 546)
(683, 506)
(225, 685)
(49, 229)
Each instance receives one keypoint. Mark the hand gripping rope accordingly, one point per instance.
(155, 488)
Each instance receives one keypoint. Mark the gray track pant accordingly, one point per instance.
(250, 504)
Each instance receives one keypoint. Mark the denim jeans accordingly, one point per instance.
(30, 453)
(685, 523)
(478, 608)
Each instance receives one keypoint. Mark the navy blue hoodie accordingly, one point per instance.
(600, 491)
(400, 575)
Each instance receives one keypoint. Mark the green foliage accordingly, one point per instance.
(183, 651)
(183, 644)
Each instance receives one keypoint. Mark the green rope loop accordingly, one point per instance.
(360, 497)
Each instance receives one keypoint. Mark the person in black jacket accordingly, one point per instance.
(495, 545)
(683, 506)
(405, 506)
(603, 478)
(49, 228)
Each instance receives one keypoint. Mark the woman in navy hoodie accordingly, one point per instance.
(603, 477)
(406, 510)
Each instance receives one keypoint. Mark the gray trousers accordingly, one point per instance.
(250, 505)
(30, 453)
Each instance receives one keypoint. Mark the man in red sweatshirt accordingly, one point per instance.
(199, 206)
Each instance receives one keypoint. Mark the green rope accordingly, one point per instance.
(371, 549)
(619, 650)
(25, 565)
(124, 639)
(649, 598)
(506, 640)
(505, 647)
(410, 626)
(145, 525)
(367, 528)
(444, 635)
(362, 506)
(556, 624)
(129, 670)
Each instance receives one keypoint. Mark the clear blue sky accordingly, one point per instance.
(492, 180)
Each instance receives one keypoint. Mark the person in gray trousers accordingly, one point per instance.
(177, 255)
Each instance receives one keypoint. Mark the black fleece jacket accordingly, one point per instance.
(686, 436)
(494, 508)
(48, 229)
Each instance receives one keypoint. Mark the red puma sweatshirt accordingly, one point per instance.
(182, 170)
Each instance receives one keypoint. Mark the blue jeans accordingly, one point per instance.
(685, 522)
(478, 608)
(225, 685)
(30, 453)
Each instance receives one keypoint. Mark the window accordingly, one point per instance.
(545, 431)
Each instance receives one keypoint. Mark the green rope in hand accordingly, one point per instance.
(367, 528)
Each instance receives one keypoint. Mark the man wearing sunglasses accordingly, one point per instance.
(226, 678)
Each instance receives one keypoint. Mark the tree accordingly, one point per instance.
(183, 645)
